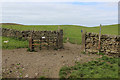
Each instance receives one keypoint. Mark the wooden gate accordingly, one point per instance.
(46, 39)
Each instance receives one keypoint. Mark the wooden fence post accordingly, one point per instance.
(61, 38)
(30, 44)
(83, 39)
(58, 40)
(99, 46)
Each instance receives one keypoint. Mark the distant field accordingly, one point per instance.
(70, 31)
(108, 29)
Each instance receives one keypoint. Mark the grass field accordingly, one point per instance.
(108, 29)
(70, 31)
(104, 67)
(13, 43)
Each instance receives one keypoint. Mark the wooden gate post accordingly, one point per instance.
(99, 46)
(58, 40)
(83, 32)
(30, 44)
(61, 38)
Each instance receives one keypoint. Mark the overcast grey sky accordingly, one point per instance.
(75, 13)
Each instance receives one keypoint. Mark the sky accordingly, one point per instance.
(60, 13)
(59, 0)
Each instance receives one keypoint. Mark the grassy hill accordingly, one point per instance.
(108, 29)
(9, 24)
(72, 32)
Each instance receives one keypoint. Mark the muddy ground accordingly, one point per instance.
(18, 63)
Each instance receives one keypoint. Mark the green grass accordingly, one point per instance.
(70, 31)
(13, 43)
(42, 78)
(102, 68)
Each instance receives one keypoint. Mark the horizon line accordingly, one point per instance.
(59, 24)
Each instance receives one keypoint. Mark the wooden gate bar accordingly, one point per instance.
(47, 38)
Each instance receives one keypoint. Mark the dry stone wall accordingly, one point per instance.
(15, 33)
(51, 35)
(109, 44)
(26, 34)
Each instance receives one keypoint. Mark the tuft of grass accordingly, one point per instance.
(43, 78)
(31, 50)
(83, 52)
(100, 53)
(64, 71)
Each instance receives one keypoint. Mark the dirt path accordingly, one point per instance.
(20, 63)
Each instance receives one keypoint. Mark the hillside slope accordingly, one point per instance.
(72, 32)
